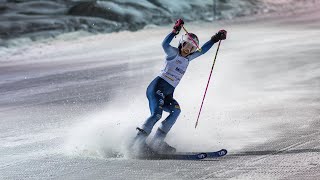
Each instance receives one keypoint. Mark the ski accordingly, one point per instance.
(182, 156)
(188, 155)
(215, 154)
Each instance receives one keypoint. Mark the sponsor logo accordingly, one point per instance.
(180, 70)
(176, 77)
(221, 153)
(169, 77)
(161, 102)
(178, 62)
(160, 93)
(177, 106)
(202, 155)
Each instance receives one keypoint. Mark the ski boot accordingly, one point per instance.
(159, 145)
(165, 148)
(139, 146)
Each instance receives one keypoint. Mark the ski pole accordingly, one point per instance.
(204, 96)
(191, 38)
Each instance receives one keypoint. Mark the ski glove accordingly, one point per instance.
(177, 27)
(221, 35)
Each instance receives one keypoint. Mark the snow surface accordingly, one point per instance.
(69, 105)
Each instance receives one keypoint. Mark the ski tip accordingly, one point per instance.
(223, 152)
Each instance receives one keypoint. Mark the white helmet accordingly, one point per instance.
(187, 38)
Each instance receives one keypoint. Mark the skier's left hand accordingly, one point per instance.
(221, 35)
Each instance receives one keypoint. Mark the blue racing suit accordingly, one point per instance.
(160, 90)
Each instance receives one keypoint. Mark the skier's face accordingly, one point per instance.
(188, 48)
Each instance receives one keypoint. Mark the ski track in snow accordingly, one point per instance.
(68, 106)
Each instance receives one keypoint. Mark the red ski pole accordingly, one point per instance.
(204, 96)
(192, 39)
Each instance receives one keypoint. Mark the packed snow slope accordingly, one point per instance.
(69, 105)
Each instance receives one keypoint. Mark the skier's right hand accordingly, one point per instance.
(178, 25)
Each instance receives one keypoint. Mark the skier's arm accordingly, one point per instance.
(168, 49)
(205, 48)
(221, 35)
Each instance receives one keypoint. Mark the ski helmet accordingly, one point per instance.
(187, 39)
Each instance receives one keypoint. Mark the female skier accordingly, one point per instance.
(161, 89)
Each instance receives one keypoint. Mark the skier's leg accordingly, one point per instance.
(174, 109)
(158, 143)
(156, 100)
